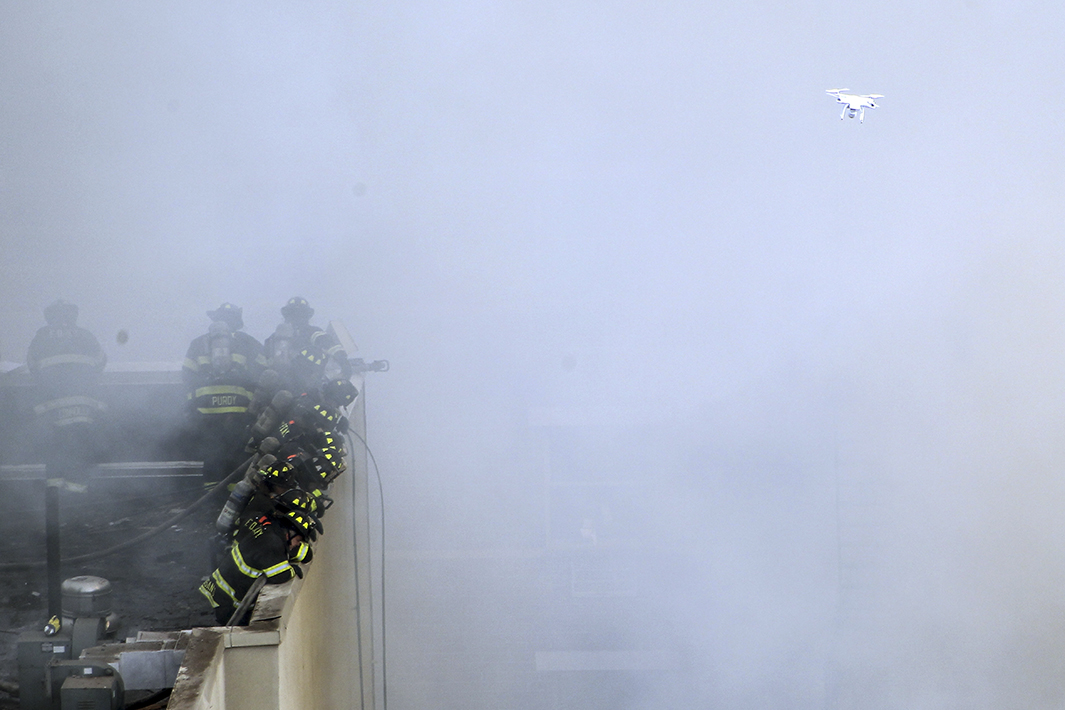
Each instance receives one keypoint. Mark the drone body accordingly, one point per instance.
(854, 103)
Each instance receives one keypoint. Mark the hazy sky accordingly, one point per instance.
(622, 207)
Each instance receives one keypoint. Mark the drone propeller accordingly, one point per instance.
(835, 91)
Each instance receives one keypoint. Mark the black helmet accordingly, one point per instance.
(323, 418)
(297, 309)
(278, 471)
(61, 313)
(308, 417)
(299, 510)
(311, 358)
(328, 464)
(339, 393)
(232, 315)
(306, 368)
(327, 439)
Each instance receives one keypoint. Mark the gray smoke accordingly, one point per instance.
(620, 244)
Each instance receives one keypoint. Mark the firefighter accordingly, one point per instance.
(66, 362)
(296, 334)
(220, 371)
(271, 539)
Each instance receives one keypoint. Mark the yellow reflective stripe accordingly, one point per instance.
(68, 359)
(243, 566)
(75, 401)
(278, 569)
(222, 389)
(301, 552)
(220, 410)
(224, 586)
(203, 360)
(210, 597)
(250, 571)
(72, 420)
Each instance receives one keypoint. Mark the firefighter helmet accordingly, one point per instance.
(324, 417)
(306, 368)
(339, 392)
(320, 467)
(297, 309)
(299, 510)
(328, 464)
(231, 315)
(278, 472)
(311, 358)
(310, 417)
(331, 440)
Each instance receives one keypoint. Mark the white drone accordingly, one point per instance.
(854, 103)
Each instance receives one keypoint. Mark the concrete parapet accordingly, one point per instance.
(309, 645)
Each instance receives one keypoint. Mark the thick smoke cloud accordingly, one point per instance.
(647, 219)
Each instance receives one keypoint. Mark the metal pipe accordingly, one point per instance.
(52, 547)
